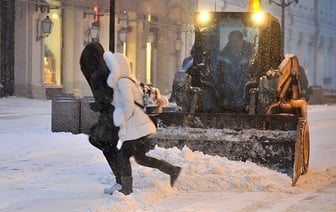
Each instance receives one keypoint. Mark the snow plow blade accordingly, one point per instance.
(272, 141)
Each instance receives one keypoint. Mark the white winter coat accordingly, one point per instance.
(134, 123)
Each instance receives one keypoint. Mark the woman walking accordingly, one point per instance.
(134, 124)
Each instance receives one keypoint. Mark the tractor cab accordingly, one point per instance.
(231, 51)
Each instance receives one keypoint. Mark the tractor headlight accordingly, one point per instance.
(258, 18)
(203, 17)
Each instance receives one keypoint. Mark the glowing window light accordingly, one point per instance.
(148, 61)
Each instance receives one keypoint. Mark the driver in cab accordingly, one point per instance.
(237, 51)
(233, 72)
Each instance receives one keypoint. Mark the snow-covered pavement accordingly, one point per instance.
(45, 171)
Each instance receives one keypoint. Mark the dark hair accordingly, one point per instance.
(92, 59)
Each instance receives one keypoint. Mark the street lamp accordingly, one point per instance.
(122, 34)
(46, 26)
(94, 31)
(283, 5)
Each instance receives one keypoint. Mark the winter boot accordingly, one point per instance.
(172, 171)
(126, 185)
(174, 175)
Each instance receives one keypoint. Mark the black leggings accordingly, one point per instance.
(104, 136)
(138, 149)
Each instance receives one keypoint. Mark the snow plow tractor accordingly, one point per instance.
(240, 97)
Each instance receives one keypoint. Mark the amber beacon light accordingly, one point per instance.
(254, 6)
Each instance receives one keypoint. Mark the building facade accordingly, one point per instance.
(310, 33)
(155, 34)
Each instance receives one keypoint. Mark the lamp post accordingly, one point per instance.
(283, 5)
(112, 25)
